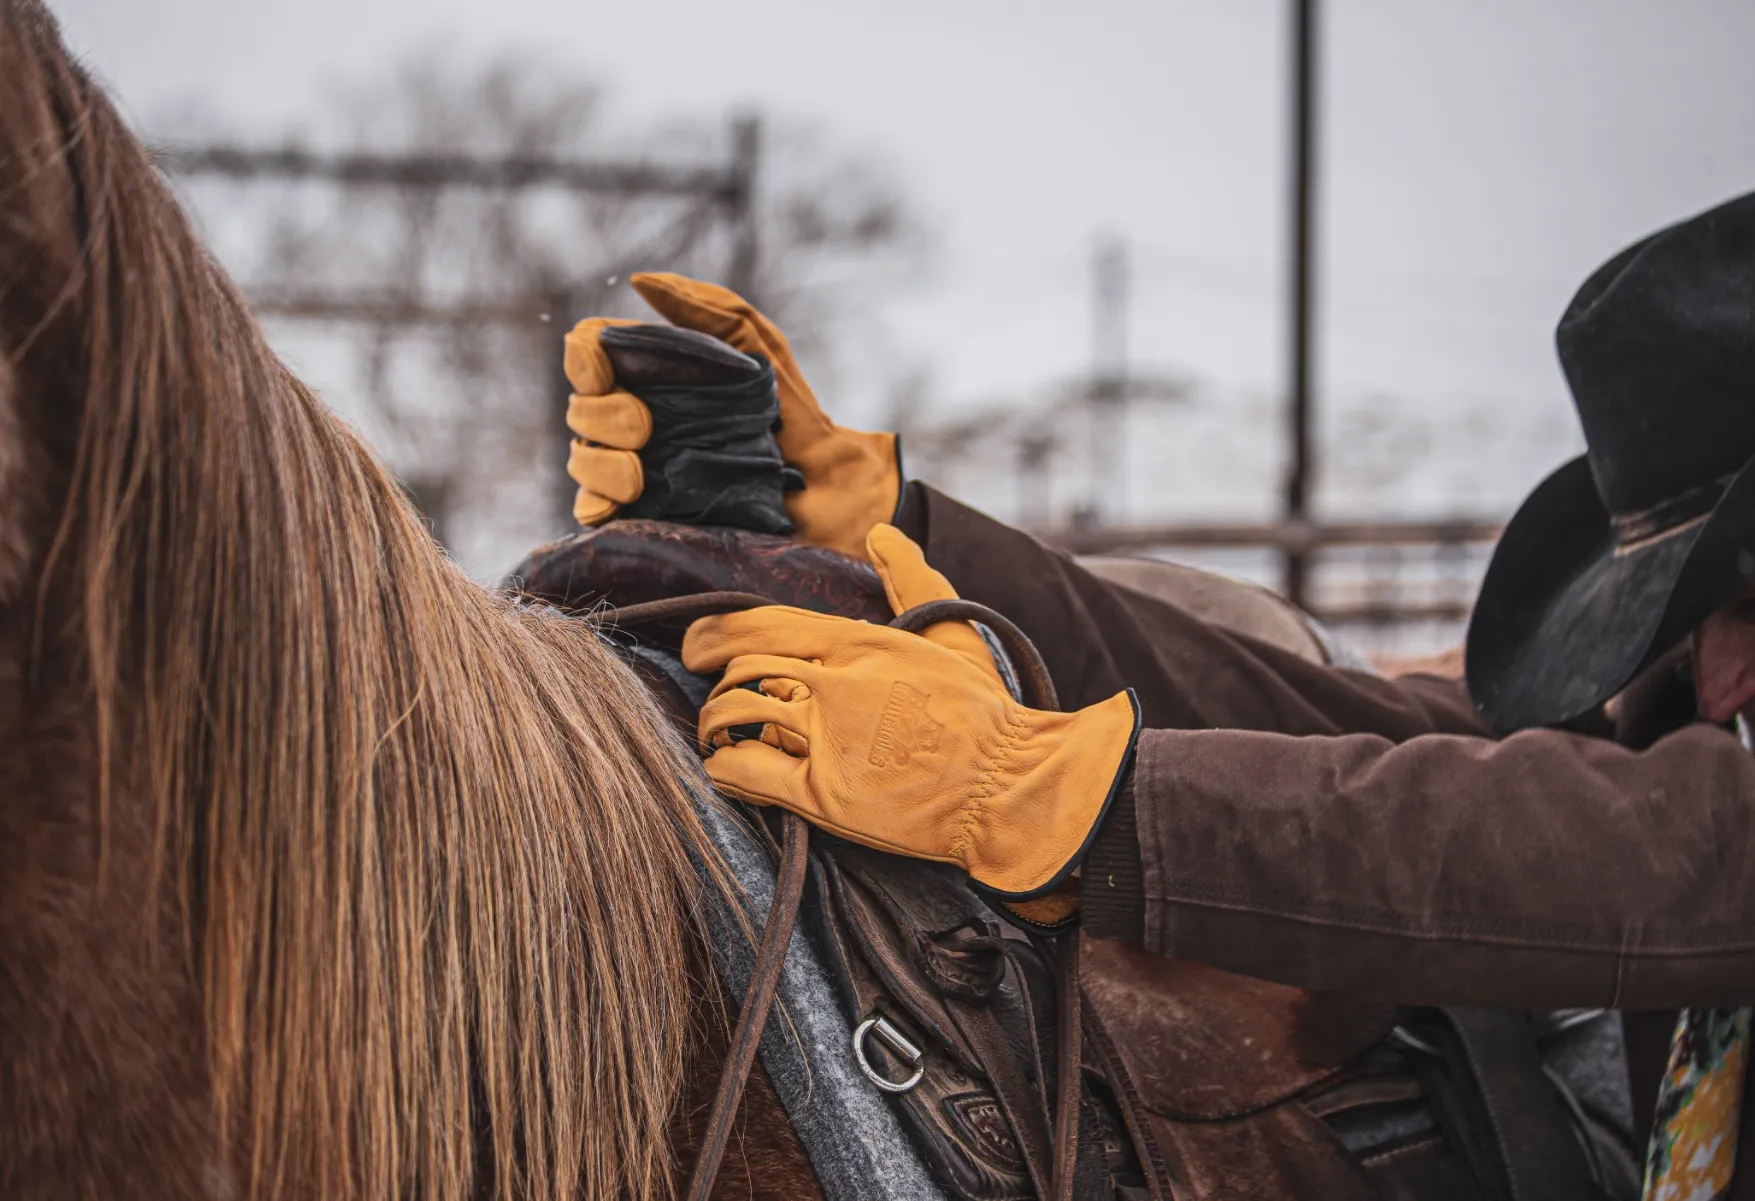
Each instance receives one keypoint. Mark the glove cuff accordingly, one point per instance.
(853, 481)
(901, 477)
(1052, 815)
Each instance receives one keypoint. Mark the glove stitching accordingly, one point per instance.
(987, 786)
(968, 816)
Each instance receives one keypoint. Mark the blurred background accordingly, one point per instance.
(1266, 285)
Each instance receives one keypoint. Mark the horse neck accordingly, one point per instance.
(374, 856)
(328, 874)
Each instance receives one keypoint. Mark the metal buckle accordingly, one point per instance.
(1402, 1036)
(897, 1042)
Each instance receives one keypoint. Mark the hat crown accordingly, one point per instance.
(1618, 554)
(1658, 347)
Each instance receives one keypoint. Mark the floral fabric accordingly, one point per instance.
(1694, 1136)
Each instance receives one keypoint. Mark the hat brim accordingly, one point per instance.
(1565, 618)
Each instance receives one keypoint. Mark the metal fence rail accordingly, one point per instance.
(1391, 584)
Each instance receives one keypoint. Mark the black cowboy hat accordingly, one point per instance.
(1619, 554)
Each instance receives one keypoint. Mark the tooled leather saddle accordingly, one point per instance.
(1195, 1085)
(1129, 1076)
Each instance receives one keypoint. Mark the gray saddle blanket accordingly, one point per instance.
(854, 1140)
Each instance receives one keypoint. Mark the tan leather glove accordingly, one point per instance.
(852, 480)
(904, 743)
(612, 426)
(910, 581)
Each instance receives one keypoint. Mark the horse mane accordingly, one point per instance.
(430, 851)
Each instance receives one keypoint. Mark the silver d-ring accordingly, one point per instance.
(898, 1043)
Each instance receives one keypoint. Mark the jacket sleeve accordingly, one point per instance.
(1353, 833)
(1098, 638)
(1545, 870)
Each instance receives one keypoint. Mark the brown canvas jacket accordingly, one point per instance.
(1332, 830)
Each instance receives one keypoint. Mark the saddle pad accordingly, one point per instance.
(856, 1146)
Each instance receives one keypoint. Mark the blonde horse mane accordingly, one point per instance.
(430, 852)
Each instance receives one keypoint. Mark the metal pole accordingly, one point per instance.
(1109, 381)
(1297, 543)
(746, 149)
(1109, 311)
(562, 306)
(435, 171)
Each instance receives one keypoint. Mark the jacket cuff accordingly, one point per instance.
(911, 509)
(1112, 888)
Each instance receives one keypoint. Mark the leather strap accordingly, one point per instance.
(1017, 644)
(1526, 1127)
(1068, 1007)
(671, 608)
(1068, 1058)
(757, 1002)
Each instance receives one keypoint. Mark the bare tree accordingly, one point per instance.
(468, 408)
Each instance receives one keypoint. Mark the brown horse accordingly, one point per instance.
(323, 872)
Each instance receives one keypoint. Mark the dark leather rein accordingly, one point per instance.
(758, 1000)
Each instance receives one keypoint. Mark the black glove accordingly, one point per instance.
(712, 458)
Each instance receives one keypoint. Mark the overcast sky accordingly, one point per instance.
(1479, 158)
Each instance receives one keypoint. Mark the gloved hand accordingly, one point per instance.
(852, 480)
(612, 424)
(906, 742)
(910, 581)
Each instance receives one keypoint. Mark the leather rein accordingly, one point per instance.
(758, 1000)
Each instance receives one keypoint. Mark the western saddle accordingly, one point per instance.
(1029, 1061)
